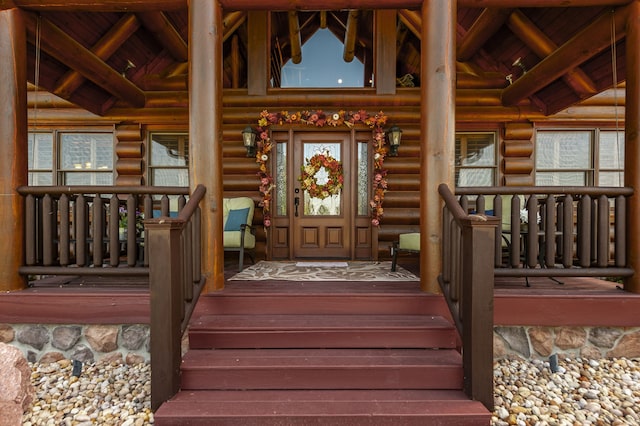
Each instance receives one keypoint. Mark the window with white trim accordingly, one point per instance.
(70, 158)
(169, 159)
(579, 157)
(475, 159)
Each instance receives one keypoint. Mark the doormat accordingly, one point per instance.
(353, 271)
(322, 264)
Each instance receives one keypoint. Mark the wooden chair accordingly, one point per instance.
(238, 230)
(407, 243)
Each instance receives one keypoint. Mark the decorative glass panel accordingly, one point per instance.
(363, 179)
(281, 178)
(321, 161)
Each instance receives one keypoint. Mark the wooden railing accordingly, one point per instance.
(564, 231)
(467, 284)
(87, 230)
(176, 281)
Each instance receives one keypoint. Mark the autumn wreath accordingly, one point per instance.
(335, 178)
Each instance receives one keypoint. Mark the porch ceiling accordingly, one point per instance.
(103, 54)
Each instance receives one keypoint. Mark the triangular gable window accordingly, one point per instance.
(323, 65)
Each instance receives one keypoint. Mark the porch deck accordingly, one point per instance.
(581, 301)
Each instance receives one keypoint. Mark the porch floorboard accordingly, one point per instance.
(580, 301)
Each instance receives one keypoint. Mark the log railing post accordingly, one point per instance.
(165, 281)
(478, 239)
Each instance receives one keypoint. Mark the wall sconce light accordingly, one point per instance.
(249, 140)
(394, 134)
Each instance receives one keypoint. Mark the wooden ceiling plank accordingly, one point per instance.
(583, 46)
(487, 24)
(162, 29)
(350, 36)
(542, 46)
(65, 49)
(294, 37)
(103, 49)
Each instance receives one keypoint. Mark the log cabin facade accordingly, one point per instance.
(190, 76)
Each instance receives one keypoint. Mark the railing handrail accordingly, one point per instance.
(193, 203)
(529, 190)
(102, 189)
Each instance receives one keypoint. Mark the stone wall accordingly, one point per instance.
(127, 343)
(587, 342)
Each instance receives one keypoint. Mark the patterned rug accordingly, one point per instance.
(323, 271)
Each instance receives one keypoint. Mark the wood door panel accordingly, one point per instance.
(322, 226)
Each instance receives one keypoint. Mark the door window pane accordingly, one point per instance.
(319, 175)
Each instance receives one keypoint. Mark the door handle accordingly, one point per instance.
(296, 203)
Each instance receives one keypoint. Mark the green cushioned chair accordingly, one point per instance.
(407, 243)
(238, 230)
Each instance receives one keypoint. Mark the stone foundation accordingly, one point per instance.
(127, 343)
(587, 342)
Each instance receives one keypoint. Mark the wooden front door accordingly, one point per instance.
(322, 217)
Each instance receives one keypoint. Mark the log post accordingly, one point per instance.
(631, 148)
(13, 139)
(205, 128)
(437, 131)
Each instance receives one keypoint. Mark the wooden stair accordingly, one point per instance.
(322, 354)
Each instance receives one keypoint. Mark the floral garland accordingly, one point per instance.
(335, 178)
(319, 118)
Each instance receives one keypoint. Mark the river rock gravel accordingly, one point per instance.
(580, 392)
(98, 394)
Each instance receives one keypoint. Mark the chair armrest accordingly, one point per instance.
(244, 227)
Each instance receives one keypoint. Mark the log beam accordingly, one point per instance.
(583, 46)
(231, 23)
(295, 41)
(543, 46)
(487, 24)
(65, 49)
(205, 130)
(164, 31)
(103, 49)
(350, 36)
(235, 5)
(632, 145)
(385, 58)
(13, 141)
(437, 131)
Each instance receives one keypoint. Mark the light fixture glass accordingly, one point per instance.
(394, 134)
(249, 140)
